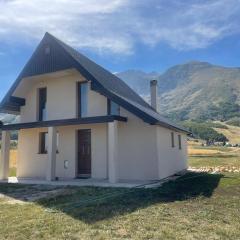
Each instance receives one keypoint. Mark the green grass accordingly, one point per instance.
(12, 171)
(196, 206)
(214, 161)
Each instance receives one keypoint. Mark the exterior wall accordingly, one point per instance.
(170, 159)
(145, 151)
(33, 165)
(137, 153)
(61, 99)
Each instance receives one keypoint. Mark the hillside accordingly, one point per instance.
(193, 90)
(231, 132)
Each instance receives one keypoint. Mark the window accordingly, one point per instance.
(43, 139)
(113, 108)
(43, 143)
(82, 95)
(42, 103)
(172, 139)
(57, 142)
(179, 142)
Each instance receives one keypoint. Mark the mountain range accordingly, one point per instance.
(194, 90)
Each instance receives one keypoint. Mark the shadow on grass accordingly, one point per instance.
(92, 204)
(124, 201)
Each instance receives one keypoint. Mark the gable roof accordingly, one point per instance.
(62, 57)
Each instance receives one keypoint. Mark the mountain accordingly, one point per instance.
(192, 90)
(8, 118)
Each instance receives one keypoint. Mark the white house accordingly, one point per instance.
(77, 120)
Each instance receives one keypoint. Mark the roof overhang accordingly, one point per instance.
(63, 122)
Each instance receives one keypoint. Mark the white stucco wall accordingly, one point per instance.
(33, 165)
(145, 151)
(137, 153)
(61, 99)
(170, 159)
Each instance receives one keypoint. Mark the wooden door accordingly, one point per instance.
(84, 153)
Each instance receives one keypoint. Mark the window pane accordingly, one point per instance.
(57, 142)
(46, 142)
(42, 103)
(82, 99)
(43, 142)
(172, 139)
(113, 108)
(179, 142)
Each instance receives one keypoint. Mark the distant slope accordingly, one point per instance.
(193, 90)
(232, 133)
(7, 118)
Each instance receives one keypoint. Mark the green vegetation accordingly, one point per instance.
(195, 206)
(205, 131)
(234, 122)
(222, 112)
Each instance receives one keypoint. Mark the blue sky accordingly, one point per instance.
(151, 35)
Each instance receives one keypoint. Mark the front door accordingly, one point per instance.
(84, 153)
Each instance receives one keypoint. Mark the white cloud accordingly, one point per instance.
(117, 26)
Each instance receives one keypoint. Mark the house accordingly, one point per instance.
(78, 120)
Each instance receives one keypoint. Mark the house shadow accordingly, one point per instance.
(117, 202)
(93, 204)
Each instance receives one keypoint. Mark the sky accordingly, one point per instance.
(149, 35)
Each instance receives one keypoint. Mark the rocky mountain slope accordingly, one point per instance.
(192, 90)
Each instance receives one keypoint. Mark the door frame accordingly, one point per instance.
(77, 175)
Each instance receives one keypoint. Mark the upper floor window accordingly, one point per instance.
(42, 104)
(172, 139)
(113, 108)
(82, 99)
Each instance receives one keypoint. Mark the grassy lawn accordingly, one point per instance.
(196, 206)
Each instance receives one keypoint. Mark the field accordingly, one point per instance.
(195, 206)
(213, 157)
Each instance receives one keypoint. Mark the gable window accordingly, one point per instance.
(43, 143)
(113, 108)
(42, 104)
(82, 99)
(172, 139)
(179, 142)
